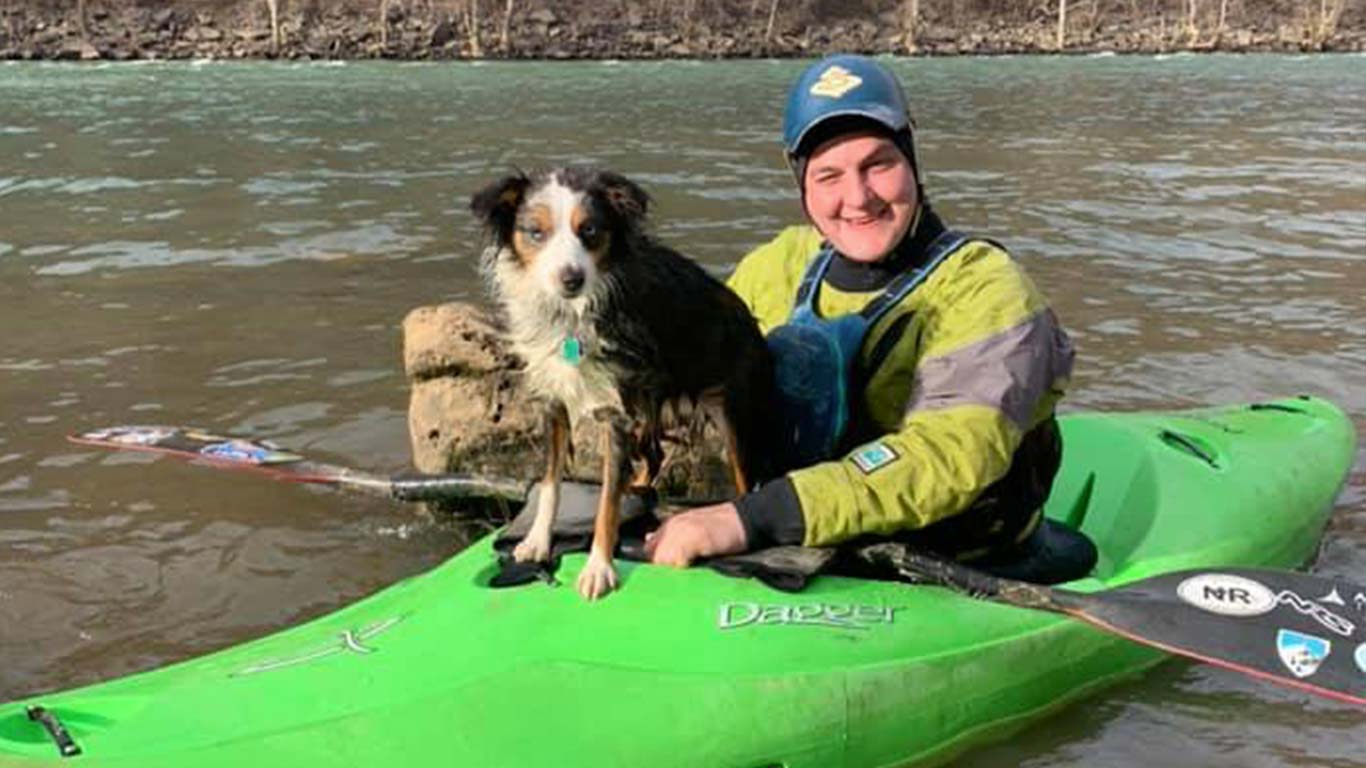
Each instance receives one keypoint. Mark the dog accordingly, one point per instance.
(614, 326)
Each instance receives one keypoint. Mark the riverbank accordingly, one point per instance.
(238, 29)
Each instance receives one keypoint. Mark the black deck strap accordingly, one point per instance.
(919, 567)
(65, 744)
(786, 569)
(1055, 553)
(572, 532)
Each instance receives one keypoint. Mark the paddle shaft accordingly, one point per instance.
(264, 457)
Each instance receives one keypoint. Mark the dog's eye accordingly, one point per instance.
(534, 234)
(588, 231)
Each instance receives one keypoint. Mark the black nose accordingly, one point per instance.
(571, 280)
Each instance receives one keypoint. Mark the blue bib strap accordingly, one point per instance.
(815, 273)
(901, 286)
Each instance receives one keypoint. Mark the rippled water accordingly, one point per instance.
(234, 246)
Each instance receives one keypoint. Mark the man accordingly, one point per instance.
(949, 439)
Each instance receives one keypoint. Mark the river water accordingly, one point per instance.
(234, 246)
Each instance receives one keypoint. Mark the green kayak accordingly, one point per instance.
(693, 668)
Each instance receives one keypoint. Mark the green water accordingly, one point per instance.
(235, 245)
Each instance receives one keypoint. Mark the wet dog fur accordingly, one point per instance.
(613, 325)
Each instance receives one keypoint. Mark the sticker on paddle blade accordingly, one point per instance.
(1227, 595)
(1360, 658)
(129, 435)
(245, 452)
(1300, 653)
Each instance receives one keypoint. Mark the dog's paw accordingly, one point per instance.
(597, 578)
(532, 549)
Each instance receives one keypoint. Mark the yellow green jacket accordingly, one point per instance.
(970, 362)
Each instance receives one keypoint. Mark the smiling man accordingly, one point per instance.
(918, 367)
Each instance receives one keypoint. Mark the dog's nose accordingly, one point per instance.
(571, 280)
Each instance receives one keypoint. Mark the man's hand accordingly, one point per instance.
(702, 532)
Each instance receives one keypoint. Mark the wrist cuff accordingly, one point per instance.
(772, 515)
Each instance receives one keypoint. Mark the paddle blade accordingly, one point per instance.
(1296, 629)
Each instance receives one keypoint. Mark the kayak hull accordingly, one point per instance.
(688, 668)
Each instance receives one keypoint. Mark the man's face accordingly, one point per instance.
(861, 194)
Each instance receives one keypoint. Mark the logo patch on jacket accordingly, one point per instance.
(874, 456)
(835, 82)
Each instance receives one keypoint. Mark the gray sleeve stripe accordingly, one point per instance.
(1011, 371)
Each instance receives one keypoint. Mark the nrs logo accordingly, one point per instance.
(1227, 594)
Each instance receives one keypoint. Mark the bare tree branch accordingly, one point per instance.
(384, 24)
(472, 26)
(503, 43)
(275, 40)
(910, 16)
(1062, 24)
(1192, 26)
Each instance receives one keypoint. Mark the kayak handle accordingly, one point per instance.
(1178, 440)
(65, 744)
(1274, 407)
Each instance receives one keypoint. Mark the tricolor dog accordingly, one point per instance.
(616, 327)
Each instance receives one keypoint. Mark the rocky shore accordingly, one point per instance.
(243, 29)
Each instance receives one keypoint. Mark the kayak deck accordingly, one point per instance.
(686, 668)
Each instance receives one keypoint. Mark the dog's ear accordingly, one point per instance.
(496, 205)
(623, 196)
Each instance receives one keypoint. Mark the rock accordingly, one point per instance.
(467, 424)
(442, 34)
(543, 16)
(451, 339)
(469, 411)
(70, 50)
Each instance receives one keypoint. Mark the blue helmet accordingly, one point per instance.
(843, 86)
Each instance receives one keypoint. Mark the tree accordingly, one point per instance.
(472, 25)
(772, 14)
(910, 15)
(1192, 27)
(1062, 24)
(384, 24)
(80, 18)
(1329, 11)
(503, 42)
(275, 40)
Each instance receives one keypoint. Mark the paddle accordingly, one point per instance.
(265, 457)
(1298, 630)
